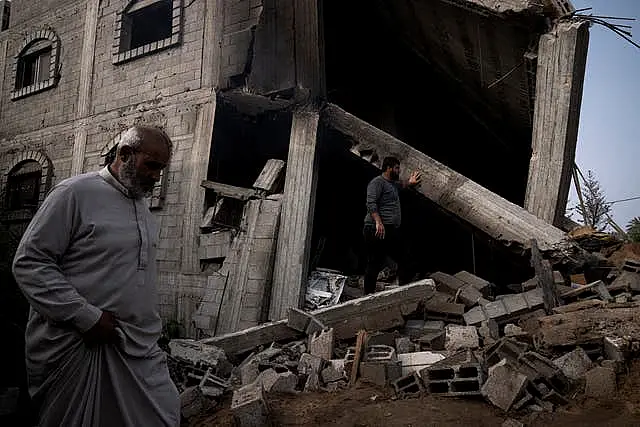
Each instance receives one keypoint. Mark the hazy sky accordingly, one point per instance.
(609, 135)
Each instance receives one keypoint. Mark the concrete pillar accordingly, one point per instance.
(84, 93)
(195, 168)
(562, 57)
(296, 221)
(212, 47)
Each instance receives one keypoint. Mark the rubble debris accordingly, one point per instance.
(626, 280)
(489, 331)
(324, 288)
(600, 382)
(510, 422)
(417, 361)
(378, 312)
(404, 345)
(461, 337)
(277, 382)
(457, 375)
(250, 407)
(504, 386)
(408, 386)
(270, 178)
(193, 402)
(587, 327)
(321, 344)
(382, 338)
(451, 285)
(506, 309)
(483, 286)
(575, 364)
(333, 372)
(439, 307)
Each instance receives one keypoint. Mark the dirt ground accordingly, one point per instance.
(366, 406)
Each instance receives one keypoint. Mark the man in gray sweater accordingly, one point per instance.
(87, 266)
(382, 223)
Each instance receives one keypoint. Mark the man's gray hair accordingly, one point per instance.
(135, 136)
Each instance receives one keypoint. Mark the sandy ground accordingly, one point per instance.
(366, 406)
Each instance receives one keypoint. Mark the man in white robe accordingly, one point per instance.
(87, 266)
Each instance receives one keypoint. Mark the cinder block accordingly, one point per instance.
(321, 344)
(404, 345)
(461, 337)
(415, 362)
(408, 386)
(380, 353)
(483, 286)
(574, 364)
(504, 386)
(309, 364)
(601, 383)
(250, 407)
(457, 375)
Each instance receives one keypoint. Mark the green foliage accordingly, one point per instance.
(595, 211)
(633, 229)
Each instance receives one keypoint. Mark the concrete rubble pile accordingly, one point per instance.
(448, 336)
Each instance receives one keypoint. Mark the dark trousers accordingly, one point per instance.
(377, 249)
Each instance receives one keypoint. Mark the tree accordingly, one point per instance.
(595, 210)
(633, 229)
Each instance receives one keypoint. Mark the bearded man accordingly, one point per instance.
(382, 223)
(86, 264)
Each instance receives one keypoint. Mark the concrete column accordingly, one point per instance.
(196, 170)
(562, 57)
(212, 47)
(84, 93)
(296, 221)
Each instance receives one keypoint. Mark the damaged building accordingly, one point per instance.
(281, 111)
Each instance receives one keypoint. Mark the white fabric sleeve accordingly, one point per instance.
(36, 264)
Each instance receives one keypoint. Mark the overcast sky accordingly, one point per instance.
(609, 135)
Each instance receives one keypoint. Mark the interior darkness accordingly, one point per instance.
(150, 24)
(372, 75)
(243, 144)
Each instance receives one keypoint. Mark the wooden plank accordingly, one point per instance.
(360, 347)
(544, 276)
(562, 57)
(231, 191)
(294, 239)
(497, 217)
(270, 176)
(369, 313)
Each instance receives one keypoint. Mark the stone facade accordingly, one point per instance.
(70, 126)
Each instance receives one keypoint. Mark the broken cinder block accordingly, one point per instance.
(250, 407)
(460, 338)
(600, 382)
(504, 386)
(506, 309)
(574, 364)
(321, 344)
(451, 285)
(483, 286)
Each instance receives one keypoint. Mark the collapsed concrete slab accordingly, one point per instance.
(380, 311)
(500, 219)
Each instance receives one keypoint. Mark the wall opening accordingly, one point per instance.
(146, 25)
(23, 186)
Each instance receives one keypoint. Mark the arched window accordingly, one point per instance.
(23, 186)
(36, 66)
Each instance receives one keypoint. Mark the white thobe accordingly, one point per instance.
(91, 247)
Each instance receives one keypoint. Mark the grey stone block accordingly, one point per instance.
(250, 407)
(574, 364)
(601, 383)
(504, 386)
(461, 337)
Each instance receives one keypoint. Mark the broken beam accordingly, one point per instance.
(497, 217)
(562, 58)
(231, 191)
(380, 311)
